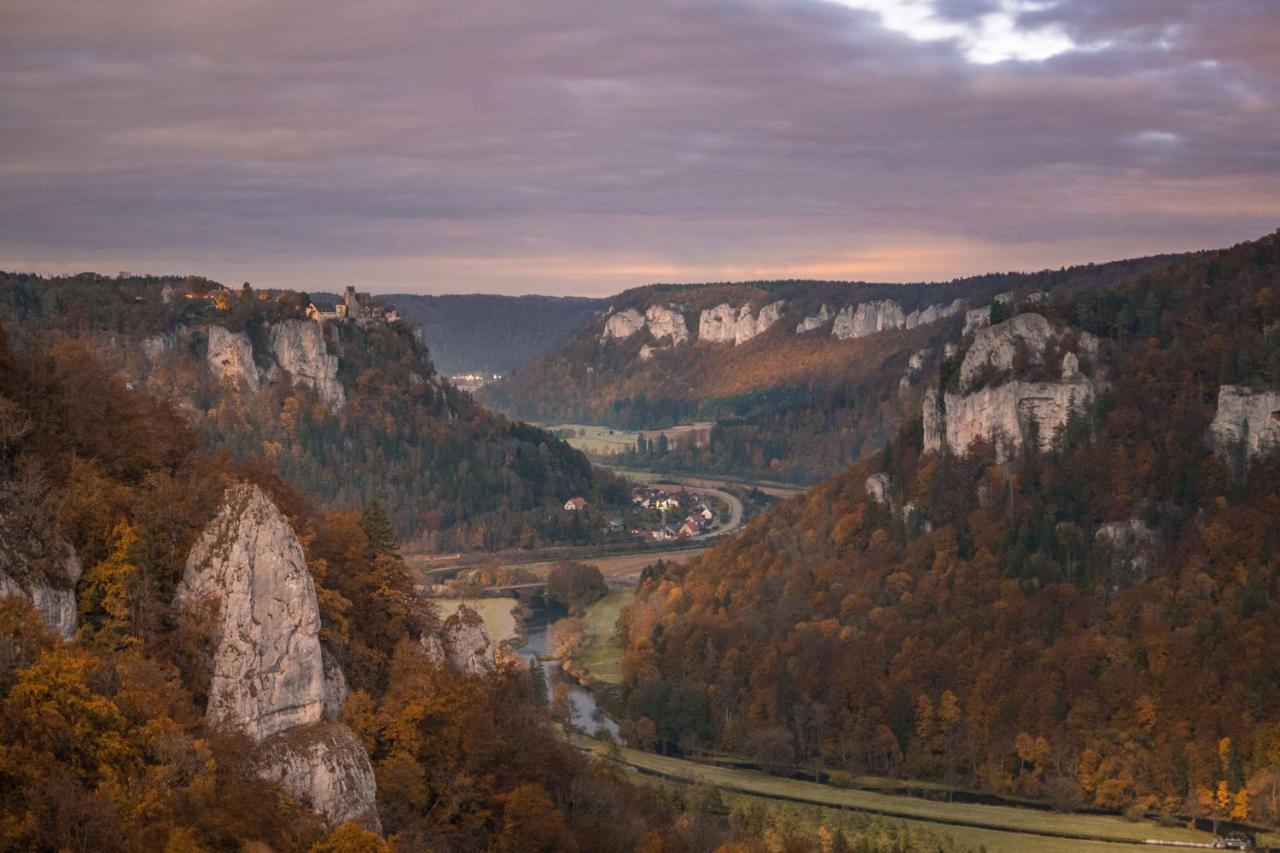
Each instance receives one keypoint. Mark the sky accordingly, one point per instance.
(566, 146)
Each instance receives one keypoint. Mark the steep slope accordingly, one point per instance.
(346, 410)
(801, 378)
(1066, 595)
(480, 333)
(192, 720)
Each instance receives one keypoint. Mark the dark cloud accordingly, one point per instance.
(580, 146)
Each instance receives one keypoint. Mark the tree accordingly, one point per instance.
(377, 528)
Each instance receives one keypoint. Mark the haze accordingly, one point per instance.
(585, 147)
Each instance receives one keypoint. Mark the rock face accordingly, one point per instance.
(719, 325)
(976, 318)
(462, 644)
(996, 346)
(867, 319)
(877, 486)
(268, 673)
(662, 322)
(299, 348)
(882, 315)
(1131, 545)
(36, 562)
(1247, 422)
(1008, 412)
(726, 324)
(230, 356)
(814, 321)
(666, 321)
(52, 590)
(325, 768)
(1003, 415)
(271, 678)
(623, 324)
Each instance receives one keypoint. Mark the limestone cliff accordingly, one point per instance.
(36, 561)
(663, 322)
(271, 679)
(867, 318)
(462, 644)
(230, 357)
(268, 673)
(1003, 415)
(814, 321)
(1006, 412)
(299, 348)
(1247, 423)
(726, 324)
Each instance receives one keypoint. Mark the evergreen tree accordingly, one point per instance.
(377, 528)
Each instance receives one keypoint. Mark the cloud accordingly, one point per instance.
(574, 146)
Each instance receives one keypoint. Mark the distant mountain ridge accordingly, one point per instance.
(484, 333)
(801, 377)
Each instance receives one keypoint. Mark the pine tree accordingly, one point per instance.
(377, 528)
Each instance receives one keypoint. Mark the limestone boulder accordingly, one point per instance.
(325, 768)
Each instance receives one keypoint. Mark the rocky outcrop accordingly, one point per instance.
(769, 315)
(719, 325)
(325, 768)
(867, 318)
(666, 321)
(299, 348)
(462, 644)
(622, 324)
(814, 321)
(726, 324)
(934, 313)
(663, 322)
(1246, 425)
(155, 347)
(230, 357)
(1008, 412)
(1130, 546)
(271, 679)
(36, 562)
(975, 319)
(883, 315)
(51, 588)
(877, 487)
(268, 673)
(996, 348)
(1005, 416)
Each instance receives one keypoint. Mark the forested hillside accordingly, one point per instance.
(346, 411)
(1094, 622)
(480, 333)
(800, 378)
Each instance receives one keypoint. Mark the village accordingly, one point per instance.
(661, 515)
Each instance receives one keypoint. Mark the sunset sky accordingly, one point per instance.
(586, 147)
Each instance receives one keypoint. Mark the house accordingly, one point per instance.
(707, 514)
(575, 504)
(692, 526)
(667, 504)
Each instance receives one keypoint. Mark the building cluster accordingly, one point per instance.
(361, 308)
(700, 518)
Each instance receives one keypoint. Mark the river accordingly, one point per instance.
(584, 711)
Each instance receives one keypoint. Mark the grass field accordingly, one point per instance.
(595, 440)
(601, 653)
(499, 619)
(1003, 828)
